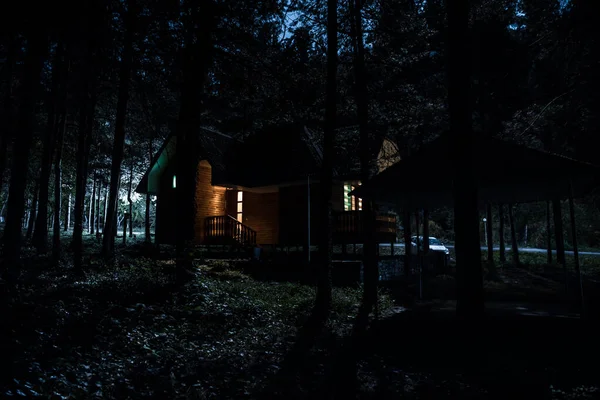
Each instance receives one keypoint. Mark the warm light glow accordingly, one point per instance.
(240, 200)
(350, 202)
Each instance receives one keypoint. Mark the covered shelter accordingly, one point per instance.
(504, 172)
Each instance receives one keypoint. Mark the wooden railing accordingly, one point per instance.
(348, 227)
(224, 229)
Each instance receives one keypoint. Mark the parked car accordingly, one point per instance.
(435, 245)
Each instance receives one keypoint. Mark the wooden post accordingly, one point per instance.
(576, 251)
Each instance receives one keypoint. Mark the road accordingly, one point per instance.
(523, 249)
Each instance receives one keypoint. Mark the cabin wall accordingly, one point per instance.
(210, 200)
(261, 213)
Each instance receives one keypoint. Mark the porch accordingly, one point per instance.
(348, 229)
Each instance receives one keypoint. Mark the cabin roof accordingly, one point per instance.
(276, 155)
(211, 145)
(505, 173)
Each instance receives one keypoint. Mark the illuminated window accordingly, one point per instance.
(240, 200)
(174, 181)
(351, 203)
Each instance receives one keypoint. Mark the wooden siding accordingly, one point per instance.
(210, 200)
(261, 213)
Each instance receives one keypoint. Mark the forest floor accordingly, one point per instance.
(125, 331)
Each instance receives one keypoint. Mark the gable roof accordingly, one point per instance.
(211, 144)
(276, 155)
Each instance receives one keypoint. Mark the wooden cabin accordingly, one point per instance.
(262, 191)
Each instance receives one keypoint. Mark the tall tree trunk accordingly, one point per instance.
(148, 204)
(129, 200)
(198, 54)
(86, 127)
(370, 267)
(469, 275)
(501, 233)
(98, 207)
(61, 126)
(407, 243)
(513, 236)
(6, 134)
(559, 233)
(40, 235)
(548, 233)
(68, 213)
(108, 243)
(34, 59)
(93, 205)
(490, 234)
(105, 212)
(33, 211)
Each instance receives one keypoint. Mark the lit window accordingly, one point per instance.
(174, 181)
(351, 203)
(240, 199)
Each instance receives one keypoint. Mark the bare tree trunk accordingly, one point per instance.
(105, 208)
(469, 275)
(130, 201)
(371, 269)
(548, 233)
(513, 236)
(501, 233)
(407, 243)
(40, 235)
(7, 112)
(490, 234)
(148, 204)
(93, 205)
(33, 210)
(34, 59)
(559, 233)
(56, 250)
(68, 213)
(98, 207)
(197, 53)
(86, 127)
(108, 243)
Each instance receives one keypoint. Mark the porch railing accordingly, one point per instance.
(348, 227)
(224, 229)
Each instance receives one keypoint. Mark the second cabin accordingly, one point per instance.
(264, 190)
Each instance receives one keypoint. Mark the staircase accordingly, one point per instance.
(226, 230)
